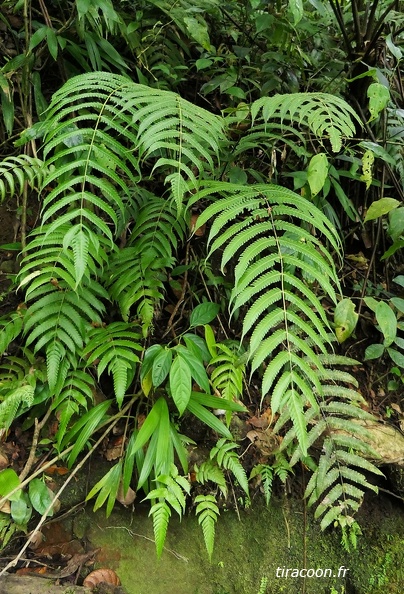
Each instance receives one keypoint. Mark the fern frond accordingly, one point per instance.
(10, 328)
(161, 513)
(171, 493)
(227, 458)
(279, 269)
(177, 136)
(16, 171)
(228, 372)
(137, 272)
(210, 471)
(327, 116)
(114, 348)
(24, 394)
(207, 512)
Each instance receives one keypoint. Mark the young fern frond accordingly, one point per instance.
(207, 512)
(279, 269)
(24, 394)
(114, 348)
(75, 391)
(15, 171)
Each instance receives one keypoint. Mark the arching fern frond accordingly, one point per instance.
(16, 171)
(281, 270)
(327, 116)
(108, 124)
(10, 328)
(170, 495)
(225, 456)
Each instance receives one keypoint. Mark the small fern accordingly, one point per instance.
(227, 375)
(209, 471)
(207, 512)
(114, 348)
(225, 456)
(171, 495)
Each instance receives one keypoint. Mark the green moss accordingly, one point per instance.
(247, 550)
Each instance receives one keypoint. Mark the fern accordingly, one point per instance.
(136, 273)
(326, 116)
(207, 512)
(15, 172)
(10, 329)
(337, 484)
(210, 471)
(227, 375)
(265, 471)
(171, 494)
(9, 406)
(114, 348)
(283, 310)
(225, 456)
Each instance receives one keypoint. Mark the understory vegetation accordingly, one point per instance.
(207, 198)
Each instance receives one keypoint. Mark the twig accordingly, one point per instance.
(31, 458)
(63, 487)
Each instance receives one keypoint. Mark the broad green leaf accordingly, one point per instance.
(20, 510)
(8, 481)
(398, 302)
(207, 417)
(40, 496)
(397, 357)
(198, 31)
(397, 245)
(396, 223)
(374, 351)
(387, 321)
(399, 280)
(161, 366)
(372, 303)
(379, 97)
(345, 319)
(317, 173)
(203, 314)
(210, 340)
(150, 424)
(198, 371)
(378, 152)
(378, 208)
(216, 402)
(296, 8)
(180, 383)
(52, 43)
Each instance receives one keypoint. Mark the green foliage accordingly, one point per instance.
(15, 172)
(170, 493)
(124, 165)
(207, 512)
(270, 251)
